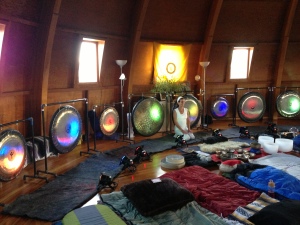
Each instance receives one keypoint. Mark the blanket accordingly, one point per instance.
(287, 186)
(212, 148)
(282, 161)
(212, 191)
(191, 213)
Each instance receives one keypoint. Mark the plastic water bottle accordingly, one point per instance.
(271, 188)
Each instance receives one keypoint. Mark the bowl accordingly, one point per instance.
(270, 147)
(263, 139)
(284, 145)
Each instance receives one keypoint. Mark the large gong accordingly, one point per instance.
(251, 107)
(109, 121)
(288, 104)
(65, 129)
(147, 116)
(12, 154)
(195, 108)
(219, 108)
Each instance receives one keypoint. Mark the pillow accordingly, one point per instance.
(285, 212)
(152, 197)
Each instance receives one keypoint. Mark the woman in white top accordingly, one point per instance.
(181, 117)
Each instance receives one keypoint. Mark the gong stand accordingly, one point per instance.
(233, 124)
(44, 129)
(35, 173)
(240, 89)
(122, 126)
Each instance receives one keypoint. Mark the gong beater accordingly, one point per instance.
(65, 129)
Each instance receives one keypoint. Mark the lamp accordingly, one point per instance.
(204, 65)
(106, 181)
(127, 164)
(121, 63)
(141, 154)
(180, 141)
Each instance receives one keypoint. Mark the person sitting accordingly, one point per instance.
(181, 117)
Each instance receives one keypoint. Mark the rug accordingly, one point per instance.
(66, 192)
(74, 188)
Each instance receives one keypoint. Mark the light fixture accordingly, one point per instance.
(106, 181)
(204, 125)
(122, 78)
(244, 132)
(127, 164)
(180, 141)
(141, 154)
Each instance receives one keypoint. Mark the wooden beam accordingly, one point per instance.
(136, 30)
(45, 38)
(285, 35)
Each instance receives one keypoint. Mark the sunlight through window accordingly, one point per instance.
(90, 60)
(2, 28)
(240, 62)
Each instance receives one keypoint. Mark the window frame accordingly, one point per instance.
(97, 40)
(248, 78)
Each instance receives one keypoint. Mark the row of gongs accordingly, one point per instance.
(252, 105)
(147, 119)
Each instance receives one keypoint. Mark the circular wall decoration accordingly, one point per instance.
(109, 121)
(147, 116)
(12, 154)
(171, 68)
(65, 129)
(288, 104)
(219, 107)
(251, 107)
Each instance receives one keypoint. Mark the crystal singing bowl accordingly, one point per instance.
(265, 139)
(285, 145)
(270, 147)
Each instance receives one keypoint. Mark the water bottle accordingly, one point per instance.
(271, 188)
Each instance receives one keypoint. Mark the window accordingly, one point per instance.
(2, 28)
(240, 62)
(90, 60)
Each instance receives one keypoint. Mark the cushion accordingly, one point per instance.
(152, 197)
(285, 212)
(91, 215)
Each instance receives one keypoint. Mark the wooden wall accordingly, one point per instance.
(36, 69)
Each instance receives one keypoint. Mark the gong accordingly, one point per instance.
(109, 121)
(65, 129)
(147, 116)
(288, 104)
(251, 107)
(195, 108)
(219, 108)
(12, 154)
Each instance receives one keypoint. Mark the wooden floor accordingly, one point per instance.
(10, 190)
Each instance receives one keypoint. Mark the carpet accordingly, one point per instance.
(75, 187)
(66, 192)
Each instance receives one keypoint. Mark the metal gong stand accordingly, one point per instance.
(44, 129)
(105, 106)
(30, 120)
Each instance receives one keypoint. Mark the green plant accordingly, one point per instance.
(164, 85)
